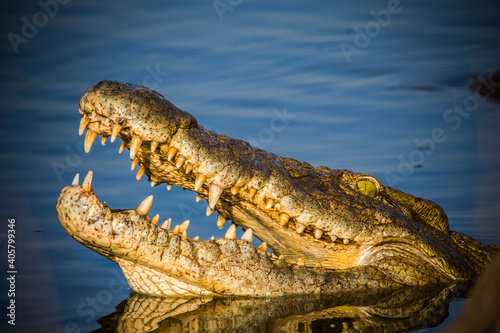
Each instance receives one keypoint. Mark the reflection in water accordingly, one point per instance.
(407, 309)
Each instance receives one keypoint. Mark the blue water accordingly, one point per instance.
(361, 109)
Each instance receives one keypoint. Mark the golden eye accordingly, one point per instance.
(367, 187)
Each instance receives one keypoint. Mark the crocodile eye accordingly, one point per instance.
(367, 187)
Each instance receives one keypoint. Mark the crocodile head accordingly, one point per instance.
(328, 229)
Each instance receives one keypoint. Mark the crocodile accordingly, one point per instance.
(321, 230)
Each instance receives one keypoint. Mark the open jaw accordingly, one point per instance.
(330, 229)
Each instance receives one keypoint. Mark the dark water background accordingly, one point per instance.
(235, 71)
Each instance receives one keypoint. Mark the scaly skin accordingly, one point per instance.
(333, 229)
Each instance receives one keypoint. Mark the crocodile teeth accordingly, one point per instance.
(231, 232)
(212, 238)
(200, 179)
(166, 224)
(122, 146)
(221, 220)
(284, 218)
(301, 262)
(89, 139)
(318, 233)
(198, 198)
(140, 172)
(169, 187)
(180, 161)
(213, 195)
(270, 204)
(134, 164)
(234, 190)
(196, 238)
(262, 247)
(83, 123)
(76, 180)
(184, 226)
(153, 183)
(282, 257)
(135, 143)
(171, 153)
(209, 211)
(145, 205)
(184, 235)
(333, 237)
(176, 230)
(103, 140)
(154, 145)
(299, 227)
(115, 131)
(87, 182)
(248, 235)
(189, 167)
(252, 192)
(155, 219)
(345, 241)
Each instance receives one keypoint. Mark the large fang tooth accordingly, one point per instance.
(200, 179)
(176, 230)
(83, 123)
(262, 247)
(184, 226)
(87, 182)
(270, 204)
(103, 140)
(252, 192)
(135, 143)
(140, 172)
(284, 218)
(122, 146)
(214, 195)
(248, 235)
(155, 219)
(115, 131)
(180, 161)
(299, 227)
(209, 211)
(134, 164)
(171, 153)
(221, 220)
(166, 224)
(154, 145)
(198, 198)
(234, 190)
(76, 180)
(89, 139)
(318, 233)
(189, 167)
(231, 232)
(301, 262)
(145, 205)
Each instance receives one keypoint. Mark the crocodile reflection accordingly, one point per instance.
(406, 309)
